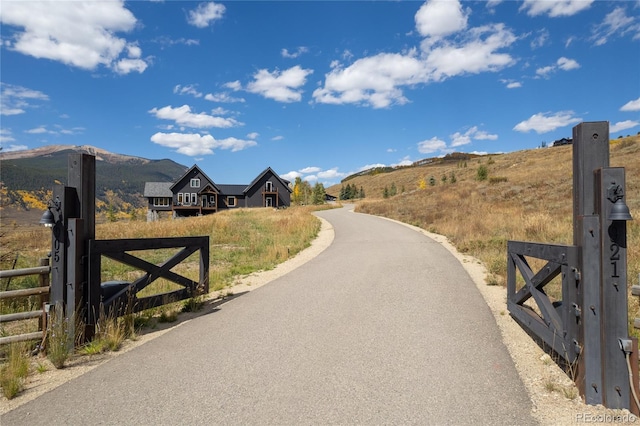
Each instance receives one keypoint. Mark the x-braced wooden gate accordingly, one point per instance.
(120, 296)
(588, 327)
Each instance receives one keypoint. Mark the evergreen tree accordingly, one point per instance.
(361, 192)
(453, 178)
(432, 181)
(319, 193)
(393, 191)
(385, 192)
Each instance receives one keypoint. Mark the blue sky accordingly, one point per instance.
(314, 89)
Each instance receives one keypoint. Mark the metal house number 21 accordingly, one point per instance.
(615, 256)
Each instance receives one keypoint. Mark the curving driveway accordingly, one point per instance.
(383, 327)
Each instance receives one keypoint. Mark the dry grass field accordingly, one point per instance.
(526, 196)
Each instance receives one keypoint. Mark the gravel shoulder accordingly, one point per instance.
(554, 397)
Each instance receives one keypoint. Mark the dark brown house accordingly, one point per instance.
(195, 194)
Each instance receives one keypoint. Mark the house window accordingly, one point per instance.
(269, 186)
(180, 199)
(186, 199)
(231, 201)
(195, 183)
(212, 200)
(194, 199)
(160, 202)
(269, 202)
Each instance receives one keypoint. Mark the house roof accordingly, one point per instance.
(267, 170)
(158, 189)
(195, 167)
(232, 189)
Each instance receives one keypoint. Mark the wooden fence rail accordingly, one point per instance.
(43, 291)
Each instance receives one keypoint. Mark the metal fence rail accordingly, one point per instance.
(42, 291)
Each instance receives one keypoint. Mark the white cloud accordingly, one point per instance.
(11, 148)
(205, 13)
(330, 174)
(562, 63)
(277, 138)
(437, 18)
(194, 144)
(545, 71)
(184, 117)
(371, 81)
(6, 136)
(222, 97)
(292, 55)
(615, 22)
(633, 105)
(125, 66)
(555, 8)
(253, 135)
(459, 139)
(477, 53)
(544, 122)
(541, 39)
(282, 86)
(37, 130)
(79, 33)
(291, 176)
(189, 89)
(623, 125)
(311, 169)
(514, 85)
(378, 80)
(14, 99)
(431, 145)
(567, 64)
(233, 85)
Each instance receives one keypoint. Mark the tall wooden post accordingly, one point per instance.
(590, 152)
(610, 184)
(82, 176)
(602, 376)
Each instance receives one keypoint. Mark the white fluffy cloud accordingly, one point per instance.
(205, 13)
(623, 125)
(77, 33)
(282, 86)
(431, 145)
(633, 105)
(562, 63)
(544, 122)
(194, 144)
(555, 8)
(378, 80)
(440, 18)
(184, 117)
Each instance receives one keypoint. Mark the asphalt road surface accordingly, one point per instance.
(383, 327)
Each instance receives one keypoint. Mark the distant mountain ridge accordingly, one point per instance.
(119, 178)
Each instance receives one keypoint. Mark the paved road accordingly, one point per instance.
(383, 327)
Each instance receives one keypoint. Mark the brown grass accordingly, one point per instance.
(532, 201)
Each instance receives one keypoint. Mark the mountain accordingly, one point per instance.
(119, 178)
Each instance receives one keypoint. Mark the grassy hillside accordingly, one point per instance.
(527, 196)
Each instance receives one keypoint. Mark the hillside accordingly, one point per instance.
(526, 196)
(27, 176)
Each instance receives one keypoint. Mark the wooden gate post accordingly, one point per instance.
(602, 376)
(590, 152)
(82, 176)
